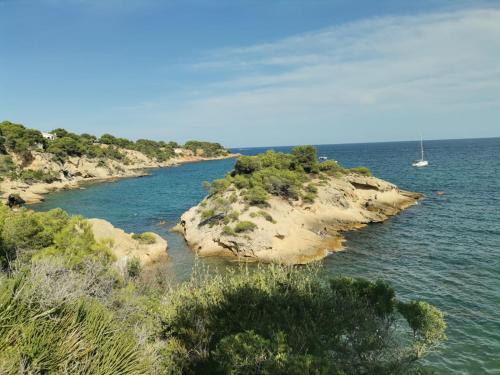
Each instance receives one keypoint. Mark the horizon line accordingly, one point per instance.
(362, 143)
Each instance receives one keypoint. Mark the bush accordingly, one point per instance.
(228, 231)
(309, 197)
(306, 158)
(256, 196)
(283, 183)
(266, 215)
(247, 165)
(29, 176)
(207, 214)
(17, 138)
(289, 321)
(232, 216)
(331, 167)
(245, 226)
(364, 171)
(145, 238)
(134, 267)
(7, 166)
(26, 234)
(220, 185)
(80, 338)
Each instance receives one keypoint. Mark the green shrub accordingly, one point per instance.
(241, 181)
(232, 216)
(207, 214)
(17, 138)
(311, 189)
(306, 158)
(134, 267)
(266, 215)
(297, 324)
(364, 171)
(247, 165)
(228, 231)
(7, 166)
(331, 167)
(146, 238)
(309, 197)
(256, 196)
(220, 185)
(29, 176)
(284, 183)
(245, 226)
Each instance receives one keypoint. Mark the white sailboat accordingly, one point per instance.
(422, 162)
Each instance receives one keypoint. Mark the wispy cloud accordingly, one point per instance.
(356, 75)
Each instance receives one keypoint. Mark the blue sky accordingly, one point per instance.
(253, 73)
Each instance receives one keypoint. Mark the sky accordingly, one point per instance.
(253, 73)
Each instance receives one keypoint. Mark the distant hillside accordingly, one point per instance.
(61, 159)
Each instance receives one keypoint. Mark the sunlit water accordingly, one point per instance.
(445, 250)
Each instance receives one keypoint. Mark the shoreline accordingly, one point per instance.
(34, 193)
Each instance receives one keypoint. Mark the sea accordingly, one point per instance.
(445, 250)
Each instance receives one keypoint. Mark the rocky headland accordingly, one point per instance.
(288, 208)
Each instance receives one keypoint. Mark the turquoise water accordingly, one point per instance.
(445, 250)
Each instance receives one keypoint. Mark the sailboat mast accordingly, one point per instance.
(422, 146)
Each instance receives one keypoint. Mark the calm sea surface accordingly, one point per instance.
(445, 250)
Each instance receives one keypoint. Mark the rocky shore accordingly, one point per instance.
(77, 170)
(291, 232)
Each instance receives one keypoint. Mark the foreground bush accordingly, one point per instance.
(289, 321)
(77, 338)
(25, 234)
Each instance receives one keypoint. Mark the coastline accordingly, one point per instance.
(35, 192)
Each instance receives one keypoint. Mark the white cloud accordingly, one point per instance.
(348, 79)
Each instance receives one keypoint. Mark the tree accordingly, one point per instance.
(306, 157)
(280, 320)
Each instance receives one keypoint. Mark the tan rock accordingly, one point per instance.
(300, 233)
(124, 247)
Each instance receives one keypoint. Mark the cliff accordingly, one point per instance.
(298, 227)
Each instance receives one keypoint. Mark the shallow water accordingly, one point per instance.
(445, 250)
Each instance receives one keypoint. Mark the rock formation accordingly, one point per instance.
(291, 231)
(125, 247)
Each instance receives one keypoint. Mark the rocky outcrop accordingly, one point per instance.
(124, 246)
(292, 232)
(14, 200)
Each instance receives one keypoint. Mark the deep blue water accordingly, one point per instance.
(445, 250)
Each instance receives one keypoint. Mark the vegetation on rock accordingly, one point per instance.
(145, 238)
(289, 176)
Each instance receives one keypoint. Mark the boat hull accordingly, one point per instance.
(421, 163)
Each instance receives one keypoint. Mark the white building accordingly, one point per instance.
(48, 136)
